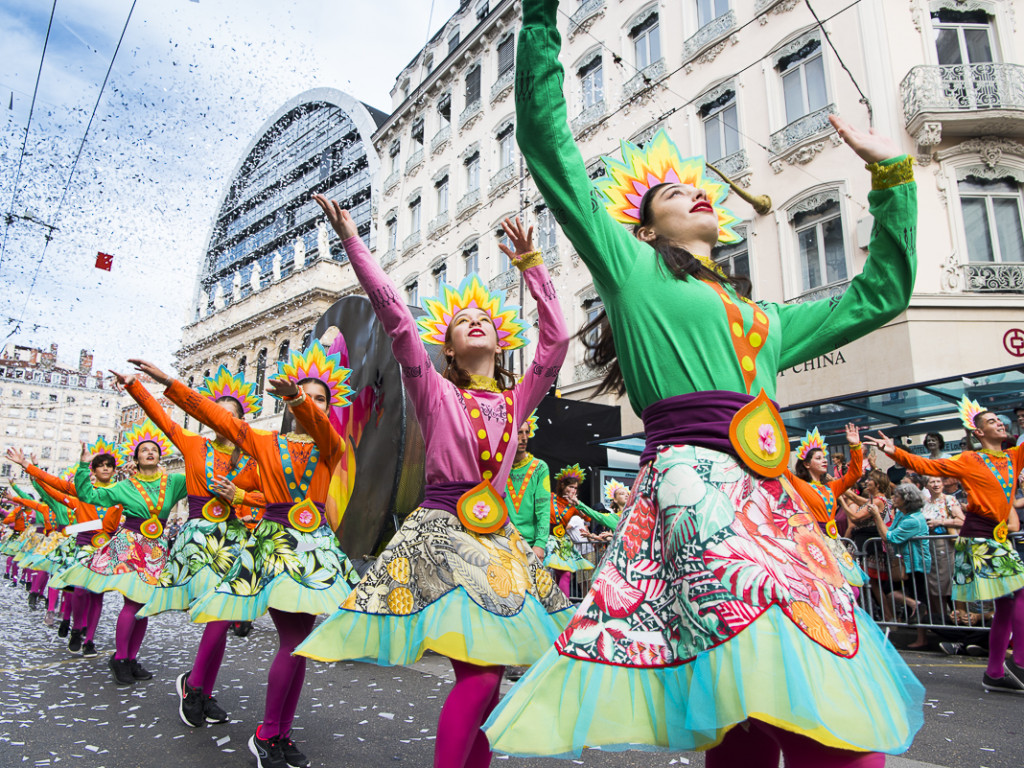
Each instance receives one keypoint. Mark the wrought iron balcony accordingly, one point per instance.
(442, 137)
(391, 181)
(414, 161)
(587, 10)
(503, 176)
(965, 99)
(410, 242)
(828, 292)
(438, 223)
(589, 116)
(503, 84)
(644, 78)
(390, 257)
(995, 278)
(504, 281)
(469, 200)
(709, 33)
(470, 112)
(583, 372)
(733, 165)
(802, 128)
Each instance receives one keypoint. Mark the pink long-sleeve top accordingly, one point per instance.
(451, 445)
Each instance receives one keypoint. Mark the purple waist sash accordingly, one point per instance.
(977, 527)
(700, 418)
(445, 495)
(133, 523)
(85, 537)
(277, 511)
(196, 504)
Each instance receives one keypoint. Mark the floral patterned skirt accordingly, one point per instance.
(562, 555)
(39, 559)
(63, 558)
(200, 558)
(985, 569)
(23, 543)
(480, 598)
(716, 581)
(129, 563)
(280, 567)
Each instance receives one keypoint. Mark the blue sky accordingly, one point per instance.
(191, 84)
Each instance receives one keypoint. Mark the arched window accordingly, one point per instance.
(261, 370)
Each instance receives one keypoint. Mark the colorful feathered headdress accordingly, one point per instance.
(571, 473)
(531, 422)
(144, 432)
(968, 410)
(659, 162)
(471, 293)
(69, 472)
(224, 383)
(812, 441)
(315, 363)
(611, 488)
(100, 446)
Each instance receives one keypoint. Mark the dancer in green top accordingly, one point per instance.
(528, 492)
(718, 578)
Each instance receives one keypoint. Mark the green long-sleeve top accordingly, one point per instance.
(532, 515)
(60, 512)
(125, 493)
(672, 336)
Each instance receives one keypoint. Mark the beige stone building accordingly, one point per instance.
(48, 409)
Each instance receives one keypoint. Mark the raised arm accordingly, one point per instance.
(153, 409)
(315, 422)
(212, 415)
(547, 144)
(35, 473)
(855, 469)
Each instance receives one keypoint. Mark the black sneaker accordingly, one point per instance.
(976, 650)
(1014, 672)
(28, 585)
(122, 671)
(190, 702)
(63, 627)
(14, 582)
(1001, 684)
(33, 601)
(291, 753)
(267, 752)
(75, 641)
(89, 650)
(214, 712)
(951, 649)
(138, 671)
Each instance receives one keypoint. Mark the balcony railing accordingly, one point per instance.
(391, 181)
(504, 176)
(410, 242)
(390, 257)
(504, 281)
(583, 372)
(996, 278)
(503, 84)
(470, 112)
(584, 13)
(589, 116)
(644, 78)
(827, 292)
(438, 223)
(954, 92)
(467, 201)
(414, 161)
(733, 165)
(802, 128)
(709, 33)
(442, 137)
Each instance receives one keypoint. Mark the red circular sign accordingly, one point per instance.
(1013, 342)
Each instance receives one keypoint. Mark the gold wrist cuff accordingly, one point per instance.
(295, 399)
(891, 175)
(527, 260)
(239, 496)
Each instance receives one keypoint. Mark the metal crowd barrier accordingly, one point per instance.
(581, 581)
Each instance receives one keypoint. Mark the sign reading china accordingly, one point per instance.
(828, 360)
(1013, 342)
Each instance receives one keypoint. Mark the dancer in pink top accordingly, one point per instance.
(458, 578)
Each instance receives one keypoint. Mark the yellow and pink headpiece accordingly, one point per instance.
(968, 410)
(224, 383)
(611, 488)
(571, 473)
(471, 293)
(531, 422)
(314, 363)
(659, 162)
(100, 446)
(144, 432)
(812, 441)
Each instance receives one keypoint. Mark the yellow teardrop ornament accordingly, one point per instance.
(759, 437)
(481, 510)
(215, 511)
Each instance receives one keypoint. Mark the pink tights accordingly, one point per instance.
(1009, 620)
(129, 632)
(39, 581)
(754, 744)
(209, 656)
(87, 609)
(460, 742)
(287, 673)
(565, 581)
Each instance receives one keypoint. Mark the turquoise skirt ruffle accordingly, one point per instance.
(985, 569)
(771, 672)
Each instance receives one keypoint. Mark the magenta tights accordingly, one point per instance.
(460, 742)
(760, 745)
(39, 582)
(209, 656)
(129, 632)
(87, 608)
(12, 567)
(565, 581)
(1009, 620)
(287, 673)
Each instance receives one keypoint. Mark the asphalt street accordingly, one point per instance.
(61, 710)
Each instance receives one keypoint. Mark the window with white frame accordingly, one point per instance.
(473, 85)
(504, 262)
(646, 42)
(506, 54)
(412, 293)
(441, 186)
(444, 110)
(506, 146)
(394, 152)
(733, 258)
(472, 164)
(721, 127)
(803, 81)
(392, 227)
(993, 212)
(417, 134)
(547, 240)
(440, 277)
(414, 215)
(453, 41)
(821, 246)
(709, 10)
(592, 309)
(591, 76)
(965, 46)
(471, 259)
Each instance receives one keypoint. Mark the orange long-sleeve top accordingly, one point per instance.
(820, 498)
(194, 449)
(84, 511)
(16, 519)
(985, 495)
(264, 444)
(41, 509)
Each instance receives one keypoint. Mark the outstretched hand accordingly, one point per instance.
(852, 434)
(282, 388)
(86, 455)
(17, 456)
(340, 219)
(521, 237)
(870, 146)
(150, 370)
(882, 441)
(122, 380)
